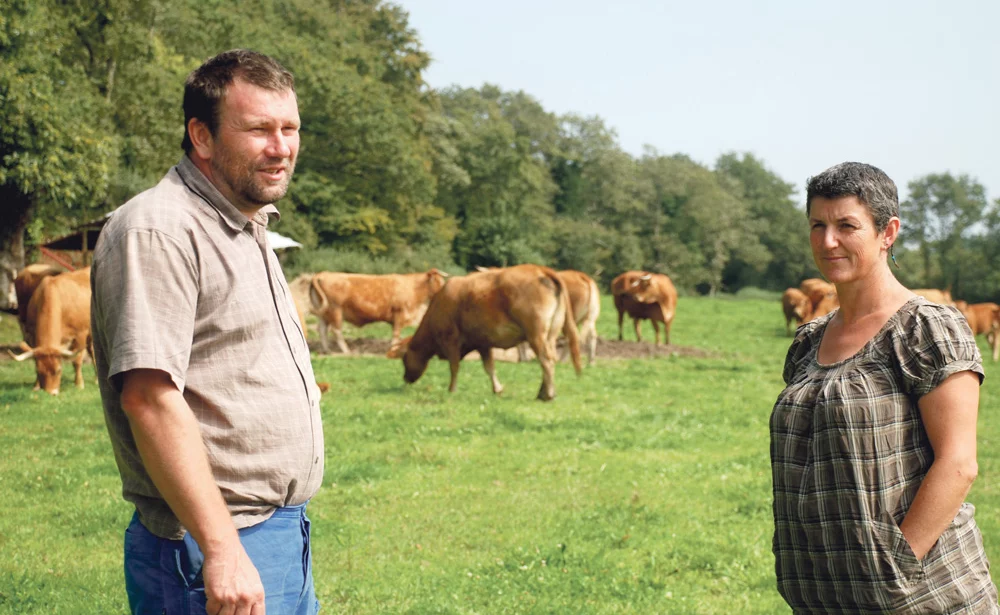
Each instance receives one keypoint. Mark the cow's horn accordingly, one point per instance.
(66, 352)
(21, 357)
(646, 277)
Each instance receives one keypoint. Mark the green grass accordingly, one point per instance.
(643, 488)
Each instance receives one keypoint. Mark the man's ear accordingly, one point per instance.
(201, 138)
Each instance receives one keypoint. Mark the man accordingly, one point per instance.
(209, 395)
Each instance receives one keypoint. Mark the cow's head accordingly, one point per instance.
(436, 280)
(414, 365)
(48, 365)
(640, 289)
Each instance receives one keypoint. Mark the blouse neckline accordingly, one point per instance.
(864, 348)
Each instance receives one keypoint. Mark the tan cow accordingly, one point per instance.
(935, 295)
(822, 294)
(24, 286)
(399, 299)
(796, 306)
(644, 295)
(585, 298)
(59, 313)
(984, 318)
(495, 309)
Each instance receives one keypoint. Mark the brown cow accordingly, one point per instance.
(495, 309)
(400, 299)
(644, 295)
(985, 318)
(585, 298)
(24, 286)
(59, 313)
(935, 295)
(796, 306)
(822, 294)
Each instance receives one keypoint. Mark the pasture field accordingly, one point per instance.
(643, 488)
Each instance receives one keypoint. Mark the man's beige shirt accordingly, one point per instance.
(186, 284)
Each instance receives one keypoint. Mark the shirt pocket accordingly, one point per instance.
(893, 557)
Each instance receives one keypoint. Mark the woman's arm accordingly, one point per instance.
(949, 413)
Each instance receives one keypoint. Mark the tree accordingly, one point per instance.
(938, 220)
(57, 149)
(774, 218)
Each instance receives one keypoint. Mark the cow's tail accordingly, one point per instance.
(569, 325)
(317, 297)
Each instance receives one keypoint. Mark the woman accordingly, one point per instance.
(873, 440)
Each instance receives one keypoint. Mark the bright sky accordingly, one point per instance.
(911, 86)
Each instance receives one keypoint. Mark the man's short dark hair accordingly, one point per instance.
(869, 184)
(207, 84)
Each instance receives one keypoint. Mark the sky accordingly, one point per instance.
(912, 87)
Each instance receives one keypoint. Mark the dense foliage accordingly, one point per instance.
(90, 114)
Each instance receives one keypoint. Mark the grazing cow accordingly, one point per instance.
(935, 295)
(644, 295)
(59, 313)
(495, 309)
(796, 306)
(985, 318)
(400, 299)
(24, 286)
(827, 303)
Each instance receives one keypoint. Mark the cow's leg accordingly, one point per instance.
(591, 345)
(656, 329)
(996, 346)
(638, 335)
(666, 332)
(490, 367)
(454, 362)
(621, 317)
(78, 368)
(397, 326)
(337, 322)
(324, 343)
(546, 358)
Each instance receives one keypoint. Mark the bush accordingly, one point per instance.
(356, 261)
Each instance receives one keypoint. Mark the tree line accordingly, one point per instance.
(393, 171)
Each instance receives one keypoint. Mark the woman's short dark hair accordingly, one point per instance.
(206, 85)
(869, 184)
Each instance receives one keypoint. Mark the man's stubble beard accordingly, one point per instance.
(240, 175)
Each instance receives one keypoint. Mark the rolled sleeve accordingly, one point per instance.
(147, 297)
(940, 344)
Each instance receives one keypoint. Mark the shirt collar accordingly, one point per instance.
(196, 181)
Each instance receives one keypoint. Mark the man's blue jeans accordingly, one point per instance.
(163, 577)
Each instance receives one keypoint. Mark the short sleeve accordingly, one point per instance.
(145, 298)
(935, 344)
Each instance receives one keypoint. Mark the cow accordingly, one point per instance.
(399, 299)
(797, 306)
(935, 295)
(985, 318)
(822, 294)
(644, 295)
(59, 313)
(495, 309)
(24, 286)
(585, 299)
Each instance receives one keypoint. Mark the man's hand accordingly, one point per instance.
(232, 584)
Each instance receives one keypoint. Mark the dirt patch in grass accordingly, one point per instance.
(606, 349)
